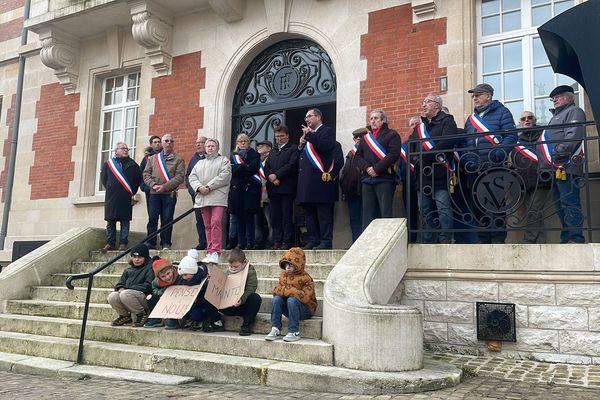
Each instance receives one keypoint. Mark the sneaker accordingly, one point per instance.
(214, 258)
(206, 259)
(154, 323)
(196, 326)
(172, 324)
(140, 320)
(291, 337)
(107, 247)
(216, 326)
(245, 330)
(166, 248)
(273, 335)
(121, 320)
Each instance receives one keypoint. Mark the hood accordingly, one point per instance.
(294, 256)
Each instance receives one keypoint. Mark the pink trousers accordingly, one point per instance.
(212, 217)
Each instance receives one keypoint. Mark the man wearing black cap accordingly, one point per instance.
(281, 170)
(262, 219)
(563, 156)
(483, 149)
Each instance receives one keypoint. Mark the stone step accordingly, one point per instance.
(219, 368)
(263, 270)
(309, 351)
(104, 281)
(310, 328)
(328, 257)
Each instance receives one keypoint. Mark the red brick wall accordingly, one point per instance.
(402, 63)
(6, 149)
(53, 143)
(11, 29)
(9, 5)
(176, 106)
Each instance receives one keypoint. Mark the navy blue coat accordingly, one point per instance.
(498, 118)
(284, 164)
(195, 158)
(244, 194)
(311, 188)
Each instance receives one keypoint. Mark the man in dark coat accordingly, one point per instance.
(317, 183)
(154, 148)
(121, 176)
(376, 157)
(281, 170)
(197, 156)
(244, 194)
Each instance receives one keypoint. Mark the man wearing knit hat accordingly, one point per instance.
(129, 296)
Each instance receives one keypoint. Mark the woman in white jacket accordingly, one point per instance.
(210, 180)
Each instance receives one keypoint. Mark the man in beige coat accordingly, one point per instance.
(210, 180)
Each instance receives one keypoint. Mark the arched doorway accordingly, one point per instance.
(278, 87)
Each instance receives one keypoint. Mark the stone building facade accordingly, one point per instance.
(101, 71)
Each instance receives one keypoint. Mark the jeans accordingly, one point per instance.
(200, 228)
(354, 213)
(440, 200)
(377, 201)
(111, 232)
(163, 206)
(292, 308)
(213, 217)
(568, 208)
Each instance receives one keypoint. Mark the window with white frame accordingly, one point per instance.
(118, 117)
(511, 56)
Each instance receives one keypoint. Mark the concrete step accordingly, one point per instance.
(310, 328)
(309, 351)
(263, 270)
(328, 257)
(22, 364)
(219, 368)
(99, 295)
(265, 285)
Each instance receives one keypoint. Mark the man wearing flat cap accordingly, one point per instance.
(565, 159)
(484, 148)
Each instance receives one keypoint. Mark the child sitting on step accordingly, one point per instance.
(166, 275)
(248, 304)
(293, 296)
(129, 297)
(191, 273)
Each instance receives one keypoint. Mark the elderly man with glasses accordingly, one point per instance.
(121, 178)
(163, 174)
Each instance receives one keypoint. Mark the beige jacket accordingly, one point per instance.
(176, 168)
(214, 171)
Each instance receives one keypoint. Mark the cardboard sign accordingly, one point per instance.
(224, 291)
(176, 301)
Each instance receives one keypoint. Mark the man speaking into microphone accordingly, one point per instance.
(317, 179)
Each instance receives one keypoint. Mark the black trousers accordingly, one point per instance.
(247, 310)
(282, 214)
(200, 228)
(319, 221)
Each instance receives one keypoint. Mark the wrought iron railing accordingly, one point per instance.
(90, 277)
(473, 194)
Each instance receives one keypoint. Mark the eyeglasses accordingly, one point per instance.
(122, 148)
(242, 141)
(526, 118)
(168, 140)
(308, 116)
(427, 101)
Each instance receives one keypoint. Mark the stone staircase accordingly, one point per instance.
(48, 325)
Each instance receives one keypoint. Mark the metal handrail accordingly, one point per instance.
(90, 276)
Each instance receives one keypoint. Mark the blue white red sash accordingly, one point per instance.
(547, 150)
(261, 171)
(354, 148)
(117, 171)
(374, 145)
(481, 127)
(405, 158)
(526, 152)
(423, 134)
(238, 160)
(316, 162)
(162, 167)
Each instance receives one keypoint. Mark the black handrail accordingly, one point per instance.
(90, 276)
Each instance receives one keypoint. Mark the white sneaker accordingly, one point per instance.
(207, 259)
(291, 337)
(214, 258)
(273, 335)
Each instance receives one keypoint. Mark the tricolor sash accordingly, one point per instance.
(547, 149)
(238, 160)
(405, 158)
(526, 152)
(423, 134)
(117, 171)
(354, 148)
(316, 162)
(162, 167)
(481, 127)
(261, 171)
(374, 145)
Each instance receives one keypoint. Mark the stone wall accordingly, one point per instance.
(552, 286)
